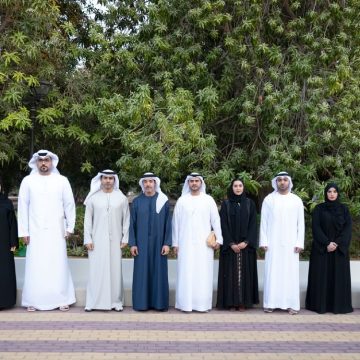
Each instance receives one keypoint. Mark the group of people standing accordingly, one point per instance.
(46, 217)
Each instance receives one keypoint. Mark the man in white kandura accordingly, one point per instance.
(106, 232)
(46, 211)
(282, 238)
(195, 215)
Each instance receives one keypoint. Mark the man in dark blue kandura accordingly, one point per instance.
(150, 241)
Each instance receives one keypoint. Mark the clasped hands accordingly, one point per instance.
(238, 247)
(332, 247)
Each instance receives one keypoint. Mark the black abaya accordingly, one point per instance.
(238, 281)
(8, 239)
(329, 282)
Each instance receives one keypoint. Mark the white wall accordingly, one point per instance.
(79, 271)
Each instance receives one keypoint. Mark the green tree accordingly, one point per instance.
(39, 41)
(233, 86)
(222, 87)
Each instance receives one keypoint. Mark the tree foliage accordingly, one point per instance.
(37, 44)
(222, 87)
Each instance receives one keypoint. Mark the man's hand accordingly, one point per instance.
(13, 248)
(26, 240)
(165, 250)
(216, 246)
(90, 246)
(134, 251)
(235, 248)
(123, 245)
(297, 250)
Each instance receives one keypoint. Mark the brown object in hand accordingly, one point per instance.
(211, 240)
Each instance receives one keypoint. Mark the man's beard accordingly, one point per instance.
(44, 169)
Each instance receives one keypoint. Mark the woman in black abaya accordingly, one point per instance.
(8, 244)
(238, 281)
(329, 282)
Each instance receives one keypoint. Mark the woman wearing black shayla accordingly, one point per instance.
(329, 283)
(8, 243)
(238, 281)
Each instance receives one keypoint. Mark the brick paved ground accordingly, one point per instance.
(176, 335)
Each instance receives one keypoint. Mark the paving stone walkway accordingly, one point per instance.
(176, 335)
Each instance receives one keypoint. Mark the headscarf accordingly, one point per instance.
(232, 196)
(239, 215)
(96, 183)
(335, 207)
(43, 154)
(186, 188)
(281, 174)
(162, 198)
(4, 201)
